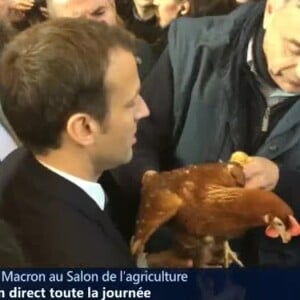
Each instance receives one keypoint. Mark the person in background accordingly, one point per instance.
(100, 10)
(23, 13)
(17, 5)
(169, 10)
(140, 18)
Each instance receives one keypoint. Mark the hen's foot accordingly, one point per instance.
(230, 256)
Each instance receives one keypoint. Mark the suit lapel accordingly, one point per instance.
(78, 200)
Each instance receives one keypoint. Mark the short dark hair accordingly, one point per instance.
(53, 70)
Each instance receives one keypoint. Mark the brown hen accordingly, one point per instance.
(208, 206)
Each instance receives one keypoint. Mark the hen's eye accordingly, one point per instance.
(278, 224)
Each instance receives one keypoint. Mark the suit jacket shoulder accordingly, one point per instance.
(57, 223)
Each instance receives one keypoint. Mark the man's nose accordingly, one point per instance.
(142, 109)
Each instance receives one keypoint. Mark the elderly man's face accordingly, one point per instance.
(98, 10)
(282, 43)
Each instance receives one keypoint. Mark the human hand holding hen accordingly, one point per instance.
(260, 172)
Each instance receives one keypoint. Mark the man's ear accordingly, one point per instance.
(80, 128)
(271, 7)
(185, 8)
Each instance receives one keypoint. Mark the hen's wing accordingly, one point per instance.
(156, 208)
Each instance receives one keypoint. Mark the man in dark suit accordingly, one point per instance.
(76, 112)
(105, 11)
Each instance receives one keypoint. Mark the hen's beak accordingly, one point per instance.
(285, 236)
(280, 227)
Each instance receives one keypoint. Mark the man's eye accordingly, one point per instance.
(98, 12)
(294, 50)
(131, 104)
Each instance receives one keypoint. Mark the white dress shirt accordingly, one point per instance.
(96, 192)
(93, 189)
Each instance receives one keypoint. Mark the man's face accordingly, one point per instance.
(117, 133)
(167, 11)
(282, 44)
(98, 10)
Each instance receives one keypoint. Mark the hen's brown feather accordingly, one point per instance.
(203, 200)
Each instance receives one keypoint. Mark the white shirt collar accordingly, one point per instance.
(93, 189)
(250, 56)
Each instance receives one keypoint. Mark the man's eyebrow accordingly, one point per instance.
(98, 9)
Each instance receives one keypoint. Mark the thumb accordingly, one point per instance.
(249, 171)
(252, 183)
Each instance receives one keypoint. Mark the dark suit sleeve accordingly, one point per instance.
(155, 132)
(69, 239)
(288, 188)
(11, 255)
